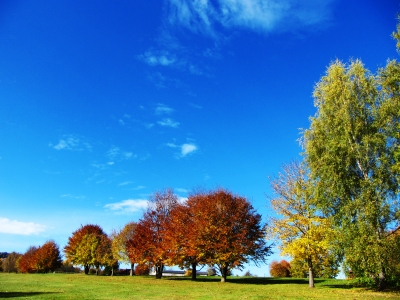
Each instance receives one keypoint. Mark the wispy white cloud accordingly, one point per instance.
(168, 123)
(185, 149)
(17, 227)
(72, 196)
(158, 58)
(204, 16)
(125, 183)
(139, 187)
(163, 109)
(115, 153)
(127, 206)
(71, 142)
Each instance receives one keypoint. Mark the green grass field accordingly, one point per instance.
(79, 286)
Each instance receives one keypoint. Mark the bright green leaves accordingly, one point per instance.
(352, 149)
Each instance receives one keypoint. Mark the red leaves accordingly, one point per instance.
(27, 261)
(43, 259)
(149, 242)
(279, 269)
(47, 257)
(216, 227)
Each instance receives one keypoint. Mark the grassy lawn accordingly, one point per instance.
(79, 286)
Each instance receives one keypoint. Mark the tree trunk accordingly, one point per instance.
(112, 271)
(159, 270)
(132, 269)
(224, 271)
(194, 271)
(382, 279)
(310, 273)
(86, 269)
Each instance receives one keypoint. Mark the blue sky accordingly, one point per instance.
(105, 102)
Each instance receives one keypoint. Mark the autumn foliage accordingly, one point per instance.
(142, 269)
(210, 228)
(149, 244)
(43, 259)
(279, 269)
(89, 246)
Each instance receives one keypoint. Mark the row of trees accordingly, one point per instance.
(342, 202)
(210, 228)
(42, 259)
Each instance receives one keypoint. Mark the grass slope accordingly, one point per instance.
(79, 286)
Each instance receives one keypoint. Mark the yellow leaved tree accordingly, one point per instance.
(301, 231)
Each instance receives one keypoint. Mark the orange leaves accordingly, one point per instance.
(26, 264)
(43, 259)
(216, 227)
(279, 269)
(149, 242)
(47, 257)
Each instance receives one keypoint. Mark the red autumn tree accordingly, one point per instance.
(26, 263)
(47, 257)
(279, 269)
(183, 240)
(142, 269)
(227, 231)
(82, 245)
(149, 242)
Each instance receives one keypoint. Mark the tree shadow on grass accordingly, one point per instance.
(340, 286)
(250, 280)
(4, 295)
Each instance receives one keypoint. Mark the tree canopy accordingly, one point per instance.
(82, 246)
(302, 231)
(352, 149)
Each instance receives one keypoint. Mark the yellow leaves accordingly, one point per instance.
(302, 231)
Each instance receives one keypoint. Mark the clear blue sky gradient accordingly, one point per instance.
(105, 102)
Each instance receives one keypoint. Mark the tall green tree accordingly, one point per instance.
(302, 231)
(351, 148)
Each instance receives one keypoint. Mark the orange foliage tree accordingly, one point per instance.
(228, 230)
(47, 257)
(149, 242)
(279, 269)
(82, 245)
(26, 263)
(182, 239)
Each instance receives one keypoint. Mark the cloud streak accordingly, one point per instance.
(204, 16)
(163, 109)
(167, 122)
(186, 148)
(71, 142)
(17, 227)
(128, 206)
(158, 58)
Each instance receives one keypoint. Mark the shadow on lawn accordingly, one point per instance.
(4, 295)
(340, 286)
(250, 280)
